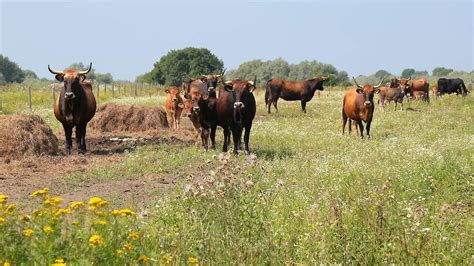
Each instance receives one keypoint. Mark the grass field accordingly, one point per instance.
(306, 195)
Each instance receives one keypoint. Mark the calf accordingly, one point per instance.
(174, 107)
(358, 105)
(236, 108)
(386, 95)
(420, 95)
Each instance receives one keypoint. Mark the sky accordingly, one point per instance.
(126, 38)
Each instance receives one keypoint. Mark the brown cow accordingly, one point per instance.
(434, 90)
(174, 106)
(292, 91)
(410, 86)
(358, 105)
(75, 106)
(386, 95)
(192, 115)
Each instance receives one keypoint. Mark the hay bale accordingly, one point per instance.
(26, 135)
(111, 117)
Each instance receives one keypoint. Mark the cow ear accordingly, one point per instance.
(187, 96)
(228, 87)
(60, 77)
(167, 91)
(377, 90)
(82, 77)
(359, 90)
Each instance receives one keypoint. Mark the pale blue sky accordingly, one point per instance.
(125, 38)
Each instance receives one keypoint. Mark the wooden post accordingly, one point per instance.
(113, 94)
(105, 89)
(29, 98)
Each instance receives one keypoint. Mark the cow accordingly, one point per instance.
(448, 86)
(174, 106)
(292, 91)
(358, 106)
(236, 108)
(434, 90)
(212, 81)
(410, 86)
(192, 115)
(75, 106)
(420, 95)
(386, 95)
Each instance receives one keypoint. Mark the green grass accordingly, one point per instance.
(310, 196)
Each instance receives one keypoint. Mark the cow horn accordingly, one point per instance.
(359, 86)
(86, 71)
(380, 83)
(55, 72)
(222, 73)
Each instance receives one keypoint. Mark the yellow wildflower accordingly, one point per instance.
(75, 223)
(47, 229)
(143, 258)
(54, 201)
(2, 220)
(128, 246)
(123, 213)
(11, 207)
(25, 218)
(76, 204)
(59, 262)
(134, 235)
(39, 212)
(96, 240)
(192, 260)
(62, 211)
(40, 192)
(3, 198)
(119, 251)
(166, 259)
(6, 263)
(97, 202)
(101, 222)
(115, 212)
(27, 232)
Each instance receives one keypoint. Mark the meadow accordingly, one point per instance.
(305, 195)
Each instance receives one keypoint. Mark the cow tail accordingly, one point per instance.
(267, 93)
(464, 90)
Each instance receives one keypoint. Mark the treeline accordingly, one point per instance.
(10, 72)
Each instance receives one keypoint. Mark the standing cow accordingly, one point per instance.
(174, 106)
(75, 106)
(417, 85)
(386, 95)
(292, 91)
(236, 109)
(358, 105)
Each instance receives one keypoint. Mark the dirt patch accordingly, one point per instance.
(22, 135)
(113, 117)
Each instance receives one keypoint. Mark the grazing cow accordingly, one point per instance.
(386, 95)
(292, 91)
(236, 108)
(358, 105)
(75, 106)
(452, 86)
(174, 106)
(410, 86)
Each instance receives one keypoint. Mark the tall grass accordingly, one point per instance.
(306, 195)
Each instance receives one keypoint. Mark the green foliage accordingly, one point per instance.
(104, 78)
(382, 73)
(177, 65)
(144, 78)
(279, 68)
(81, 67)
(29, 74)
(407, 72)
(441, 71)
(10, 71)
(421, 74)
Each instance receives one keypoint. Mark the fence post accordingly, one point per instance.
(105, 89)
(113, 94)
(29, 97)
(131, 90)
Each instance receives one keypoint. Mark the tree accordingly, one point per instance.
(407, 72)
(421, 73)
(10, 70)
(29, 74)
(178, 65)
(441, 71)
(382, 73)
(81, 67)
(104, 78)
(144, 78)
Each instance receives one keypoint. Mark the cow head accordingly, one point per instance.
(188, 107)
(367, 91)
(173, 93)
(394, 83)
(406, 85)
(316, 83)
(71, 79)
(241, 90)
(212, 80)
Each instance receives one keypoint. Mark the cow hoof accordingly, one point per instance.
(81, 151)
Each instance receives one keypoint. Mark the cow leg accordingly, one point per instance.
(205, 138)
(226, 139)
(367, 128)
(401, 105)
(248, 127)
(275, 104)
(303, 106)
(361, 127)
(395, 107)
(269, 103)
(83, 139)
(80, 150)
(344, 121)
(68, 135)
(237, 135)
(213, 136)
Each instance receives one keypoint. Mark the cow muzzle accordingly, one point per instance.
(367, 103)
(211, 89)
(69, 95)
(196, 109)
(239, 105)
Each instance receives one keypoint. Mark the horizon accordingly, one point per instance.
(126, 38)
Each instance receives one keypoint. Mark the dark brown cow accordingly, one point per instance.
(292, 91)
(236, 108)
(358, 105)
(386, 95)
(410, 86)
(75, 106)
